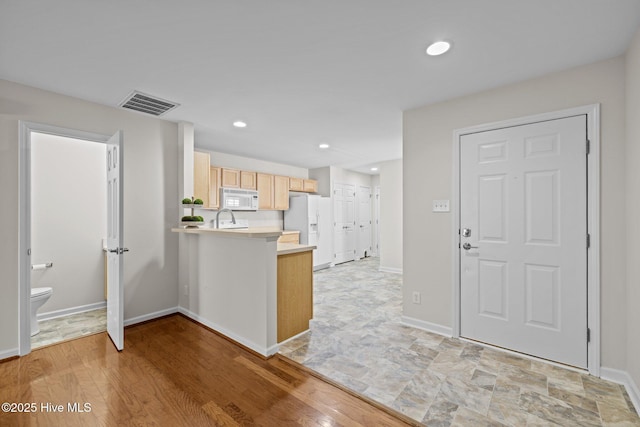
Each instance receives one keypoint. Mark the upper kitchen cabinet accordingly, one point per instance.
(296, 184)
(265, 190)
(248, 180)
(281, 193)
(215, 176)
(303, 185)
(273, 192)
(310, 186)
(201, 164)
(230, 178)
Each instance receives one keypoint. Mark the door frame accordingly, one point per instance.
(24, 216)
(593, 217)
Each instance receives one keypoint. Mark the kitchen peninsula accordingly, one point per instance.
(245, 285)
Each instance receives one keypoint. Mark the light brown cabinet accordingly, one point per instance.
(294, 294)
(296, 184)
(201, 165)
(264, 183)
(280, 193)
(303, 185)
(230, 178)
(214, 186)
(289, 237)
(248, 180)
(310, 186)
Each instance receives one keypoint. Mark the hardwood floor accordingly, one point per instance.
(173, 372)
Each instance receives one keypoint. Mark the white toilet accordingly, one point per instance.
(38, 297)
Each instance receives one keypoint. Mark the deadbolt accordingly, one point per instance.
(466, 232)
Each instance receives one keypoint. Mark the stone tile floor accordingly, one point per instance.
(357, 340)
(69, 327)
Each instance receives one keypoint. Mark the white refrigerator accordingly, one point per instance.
(311, 215)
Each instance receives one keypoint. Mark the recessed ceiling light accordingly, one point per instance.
(438, 48)
(239, 124)
(323, 146)
(374, 169)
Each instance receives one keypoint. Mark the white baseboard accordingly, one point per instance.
(390, 269)
(150, 316)
(73, 310)
(5, 354)
(622, 377)
(427, 326)
(264, 351)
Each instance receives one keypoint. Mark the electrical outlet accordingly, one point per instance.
(186, 290)
(416, 298)
(440, 206)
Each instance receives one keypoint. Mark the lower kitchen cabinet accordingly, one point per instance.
(295, 293)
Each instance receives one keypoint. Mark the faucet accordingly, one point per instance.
(233, 218)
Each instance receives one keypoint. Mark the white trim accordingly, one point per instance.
(390, 269)
(150, 316)
(593, 210)
(9, 353)
(427, 326)
(73, 310)
(264, 351)
(622, 377)
(24, 217)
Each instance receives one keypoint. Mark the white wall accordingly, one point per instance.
(68, 219)
(391, 216)
(255, 165)
(150, 197)
(633, 208)
(427, 153)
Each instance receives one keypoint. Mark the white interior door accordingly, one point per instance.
(523, 278)
(115, 289)
(344, 223)
(364, 221)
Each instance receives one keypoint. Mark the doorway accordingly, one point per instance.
(68, 226)
(69, 212)
(526, 236)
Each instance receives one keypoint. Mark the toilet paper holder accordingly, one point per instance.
(41, 266)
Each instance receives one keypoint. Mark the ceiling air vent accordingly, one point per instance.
(144, 103)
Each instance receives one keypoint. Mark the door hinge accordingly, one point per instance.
(588, 147)
(588, 335)
(588, 240)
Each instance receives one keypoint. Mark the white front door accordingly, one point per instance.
(364, 221)
(115, 289)
(523, 200)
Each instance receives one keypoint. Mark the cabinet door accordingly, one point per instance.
(230, 178)
(281, 193)
(265, 190)
(296, 184)
(214, 187)
(248, 180)
(294, 294)
(310, 186)
(201, 177)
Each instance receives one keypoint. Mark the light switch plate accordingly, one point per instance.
(440, 206)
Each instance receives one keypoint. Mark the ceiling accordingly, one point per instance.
(301, 72)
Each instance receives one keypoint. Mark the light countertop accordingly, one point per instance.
(292, 248)
(251, 232)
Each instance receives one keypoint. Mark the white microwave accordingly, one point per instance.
(238, 200)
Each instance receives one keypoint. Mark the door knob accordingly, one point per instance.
(468, 246)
